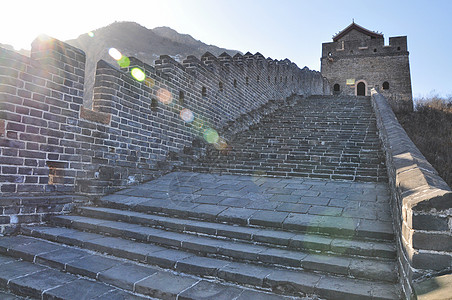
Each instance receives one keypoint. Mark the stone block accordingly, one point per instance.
(244, 274)
(126, 275)
(35, 284)
(91, 265)
(210, 290)
(292, 282)
(164, 285)
(202, 266)
(167, 258)
(59, 258)
(268, 218)
(82, 288)
(343, 288)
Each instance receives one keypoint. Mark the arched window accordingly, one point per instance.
(386, 85)
(337, 87)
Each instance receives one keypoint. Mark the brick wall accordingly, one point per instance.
(422, 202)
(52, 145)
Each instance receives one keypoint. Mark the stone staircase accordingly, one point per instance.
(191, 235)
(318, 137)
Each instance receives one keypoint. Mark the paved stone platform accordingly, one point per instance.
(277, 198)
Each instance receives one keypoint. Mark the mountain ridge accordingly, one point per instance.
(135, 40)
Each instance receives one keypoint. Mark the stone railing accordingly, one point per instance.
(421, 203)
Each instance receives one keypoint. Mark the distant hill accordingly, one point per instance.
(132, 39)
(21, 51)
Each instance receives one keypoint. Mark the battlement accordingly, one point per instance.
(369, 48)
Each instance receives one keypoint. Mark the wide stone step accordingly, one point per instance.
(64, 272)
(246, 252)
(288, 282)
(324, 224)
(261, 236)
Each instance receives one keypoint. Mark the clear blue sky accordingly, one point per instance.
(279, 29)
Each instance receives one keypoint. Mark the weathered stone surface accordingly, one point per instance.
(252, 275)
(205, 290)
(34, 284)
(82, 288)
(292, 282)
(91, 265)
(439, 287)
(126, 275)
(200, 265)
(164, 285)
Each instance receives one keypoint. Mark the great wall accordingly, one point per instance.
(319, 195)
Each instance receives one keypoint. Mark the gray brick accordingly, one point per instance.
(164, 285)
(125, 275)
(210, 290)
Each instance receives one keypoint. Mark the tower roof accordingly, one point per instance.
(358, 28)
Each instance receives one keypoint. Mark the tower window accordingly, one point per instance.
(398, 48)
(247, 80)
(220, 86)
(235, 83)
(258, 78)
(337, 87)
(204, 91)
(375, 50)
(386, 85)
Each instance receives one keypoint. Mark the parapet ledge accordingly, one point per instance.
(419, 185)
(238, 58)
(166, 64)
(135, 62)
(46, 43)
(192, 63)
(225, 58)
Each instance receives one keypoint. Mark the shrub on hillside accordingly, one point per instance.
(430, 128)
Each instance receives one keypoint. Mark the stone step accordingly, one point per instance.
(324, 224)
(243, 252)
(282, 281)
(59, 272)
(260, 236)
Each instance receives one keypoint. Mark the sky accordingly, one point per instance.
(293, 29)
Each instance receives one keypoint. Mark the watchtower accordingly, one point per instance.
(358, 60)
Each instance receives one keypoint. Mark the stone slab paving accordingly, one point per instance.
(267, 201)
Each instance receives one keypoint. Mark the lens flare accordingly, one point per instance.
(91, 34)
(187, 115)
(115, 53)
(164, 96)
(149, 82)
(221, 144)
(124, 62)
(138, 74)
(211, 135)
